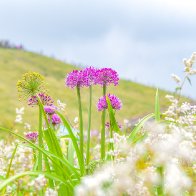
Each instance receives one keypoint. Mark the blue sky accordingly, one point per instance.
(145, 40)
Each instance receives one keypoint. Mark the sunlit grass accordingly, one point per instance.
(137, 99)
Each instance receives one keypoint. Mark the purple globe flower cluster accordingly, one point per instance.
(49, 108)
(45, 99)
(32, 136)
(52, 116)
(92, 76)
(115, 102)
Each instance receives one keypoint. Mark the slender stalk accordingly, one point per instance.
(111, 144)
(81, 123)
(181, 86)
(160, 188)
(89, 128)
(40, 139)
(11, 160)
(9, 166)
(103, 128)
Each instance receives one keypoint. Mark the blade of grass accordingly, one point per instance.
(31, 173)
(70, 153)
(74, 140)
(113, 122)
(10, 165)
(52, 157)
(11, 160)
(138, 127)
(157, 107)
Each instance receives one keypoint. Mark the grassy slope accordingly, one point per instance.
(137, 99)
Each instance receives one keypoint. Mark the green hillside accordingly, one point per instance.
(137, 99)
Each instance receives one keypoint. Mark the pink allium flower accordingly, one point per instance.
(89, 75)
(45, 99)
(56, 119)
(75, 79)
(32, 136)
(106, 76)
(115, 102)
(49, 109)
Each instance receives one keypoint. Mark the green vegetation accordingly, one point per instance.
(137, 99)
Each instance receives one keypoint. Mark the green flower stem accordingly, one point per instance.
(89, 128)
(111, 144)
(103, 128)
(40, 139)
(81, 123)
(160, 188)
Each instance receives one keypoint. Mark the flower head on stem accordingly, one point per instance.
(115, 102)
(106, 76)
(31, 84)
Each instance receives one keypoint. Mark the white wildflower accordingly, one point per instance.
(20, 111)
(61, 105)
(176, 78)
(18, 119)
(27, 126)
(76, 120)
(51, 192)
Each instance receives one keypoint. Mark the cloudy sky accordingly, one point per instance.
(145, 40)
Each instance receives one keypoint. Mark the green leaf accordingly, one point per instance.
(11, 160)
(113, 122)
(189, 80)
(70, 152)
(157, 107)
(178, 89)
(31, 173)
(138, 127)
(2, 177)
(140, 138)
(74, 140)
(54, 158)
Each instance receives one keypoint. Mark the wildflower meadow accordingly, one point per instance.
(155, 156)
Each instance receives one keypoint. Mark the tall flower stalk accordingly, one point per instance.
(89, 76)
(89, 128)
(76, 80)
(80, 122)
(102, 106)
(105, 77)
(30, 86)
(40, 139)
(103, 115)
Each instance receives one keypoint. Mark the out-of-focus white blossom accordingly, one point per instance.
(76, 120)
(189, 64)
(176, 78)
(18, 119)
(38, 183)
(27, 126)
(61, 105)
(51, 192)
(19, 113)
